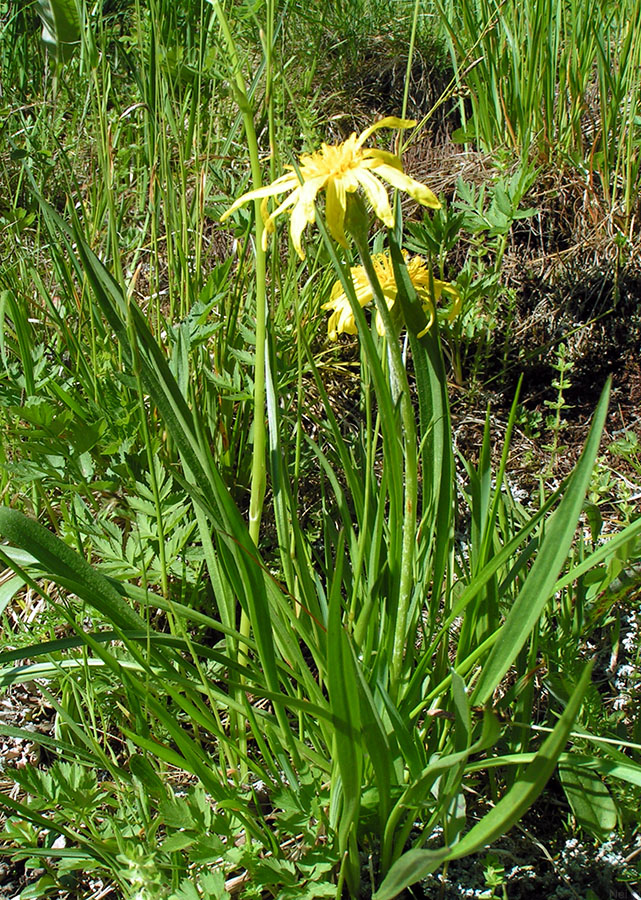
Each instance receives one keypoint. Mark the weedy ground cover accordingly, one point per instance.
(270, 626)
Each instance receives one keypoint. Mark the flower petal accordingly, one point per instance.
(420, 192)
(362, 287)
(341, 320)
(332, 332)
(335, 206)
(387, 122)
(377, 196)
(430, 312)
(284, 183)
(384, 156)
(269, 220)
(304, 211)
(456, 296)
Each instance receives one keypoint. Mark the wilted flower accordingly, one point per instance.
(340, 169)
(428, 289)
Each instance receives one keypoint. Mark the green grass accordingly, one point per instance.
(557, 81)
(268, 648)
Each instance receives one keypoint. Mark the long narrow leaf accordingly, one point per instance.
(540, 583)
(63, 562)
(345, 705)
(416, 864)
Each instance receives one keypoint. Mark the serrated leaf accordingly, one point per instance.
(176, 813)
(186, 891)
(178, 841)
(213, 884)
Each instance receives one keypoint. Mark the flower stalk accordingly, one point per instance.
(357, 222)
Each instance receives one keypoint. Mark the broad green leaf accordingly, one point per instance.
(485, 510)
(60, 26)
(375, 739)
(388, 411)
(528, 787)
(462, 720)
(626, 771)
(284, 506)
(591, 803)
(414, 794)
(8, 591)
(69, 568)
(43, 886)
(435, 424)
(142, 769)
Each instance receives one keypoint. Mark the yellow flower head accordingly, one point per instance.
(340, 169)
(429, 291)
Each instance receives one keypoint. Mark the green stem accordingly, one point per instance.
(151, 457)
(361, 622)
(410, 456)
(410, 60)
(257, 494)
(258, 476)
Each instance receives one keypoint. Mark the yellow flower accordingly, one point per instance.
(342, 320)
(339, 169)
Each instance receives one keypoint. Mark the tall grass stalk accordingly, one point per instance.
(259, 466)
(535, 66)
(242, 99)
